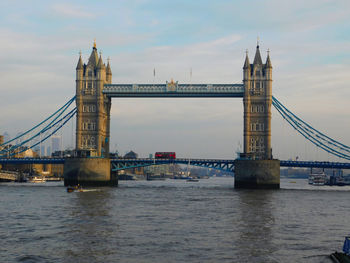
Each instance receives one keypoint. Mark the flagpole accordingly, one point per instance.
(154, 75)
(191, 77)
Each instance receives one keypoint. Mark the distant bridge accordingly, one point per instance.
(219, 164)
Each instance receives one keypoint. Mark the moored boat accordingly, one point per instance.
(317, 178)
(37, 179)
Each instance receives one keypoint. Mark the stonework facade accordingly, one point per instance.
(93, 108)
(257, 99)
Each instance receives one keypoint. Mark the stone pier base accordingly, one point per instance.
(257, 174)
(88, 172)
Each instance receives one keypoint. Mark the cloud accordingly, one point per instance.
(72, 11)
(211, 61)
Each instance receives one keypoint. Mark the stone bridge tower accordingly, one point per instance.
(92, 127)
(93, 108)
(256, 168)
(257, 79)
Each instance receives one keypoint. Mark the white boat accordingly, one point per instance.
(317, 178)
(36, 179)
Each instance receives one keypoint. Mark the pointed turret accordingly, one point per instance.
(246, 67)
(93, 59)
(80, 63)
(268, 67)
(100, 64)
(268, 61)
(246, 62)
(257, 58)
(109, 71)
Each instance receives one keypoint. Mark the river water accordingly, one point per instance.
(173, 221)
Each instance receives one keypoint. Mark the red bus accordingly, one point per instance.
(165, 155)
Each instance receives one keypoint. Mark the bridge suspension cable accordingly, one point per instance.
(49, 131)
(307, 131)
(44, 132)
(54, 125)
(60, 111)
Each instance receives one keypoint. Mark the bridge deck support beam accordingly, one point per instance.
(88, 172)
(257, 174)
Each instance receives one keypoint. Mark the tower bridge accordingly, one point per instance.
(91, 164)
(94, 91)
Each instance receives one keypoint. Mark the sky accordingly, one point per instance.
(309, 45)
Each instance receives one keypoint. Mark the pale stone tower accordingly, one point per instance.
(257, 169)
(257, 80)
(93, 108)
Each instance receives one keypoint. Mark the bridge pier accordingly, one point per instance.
(257, 174)
(88, 172)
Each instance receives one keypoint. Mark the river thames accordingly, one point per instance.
(173, 221)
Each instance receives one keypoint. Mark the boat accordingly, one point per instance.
(342, 257)
(317, 178)
(78, 188)
(37, 179)
(192, 180)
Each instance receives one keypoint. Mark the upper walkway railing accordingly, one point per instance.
(173, 89)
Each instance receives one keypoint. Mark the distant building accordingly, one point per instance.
(168, 170)
(56, 143)
(48, 151)
(37, 149)
(42, 150)
(7, 136)
(131, 155)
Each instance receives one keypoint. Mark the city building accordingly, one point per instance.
(7, 136)
(56, 141)
(131, 155)
(164, 170)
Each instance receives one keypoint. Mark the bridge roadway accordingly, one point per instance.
(220, 164)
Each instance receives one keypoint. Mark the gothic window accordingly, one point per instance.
(257, 126)
(89, 108)
(257, 89)
(88, 141)
(90, 73)
(89, 126)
